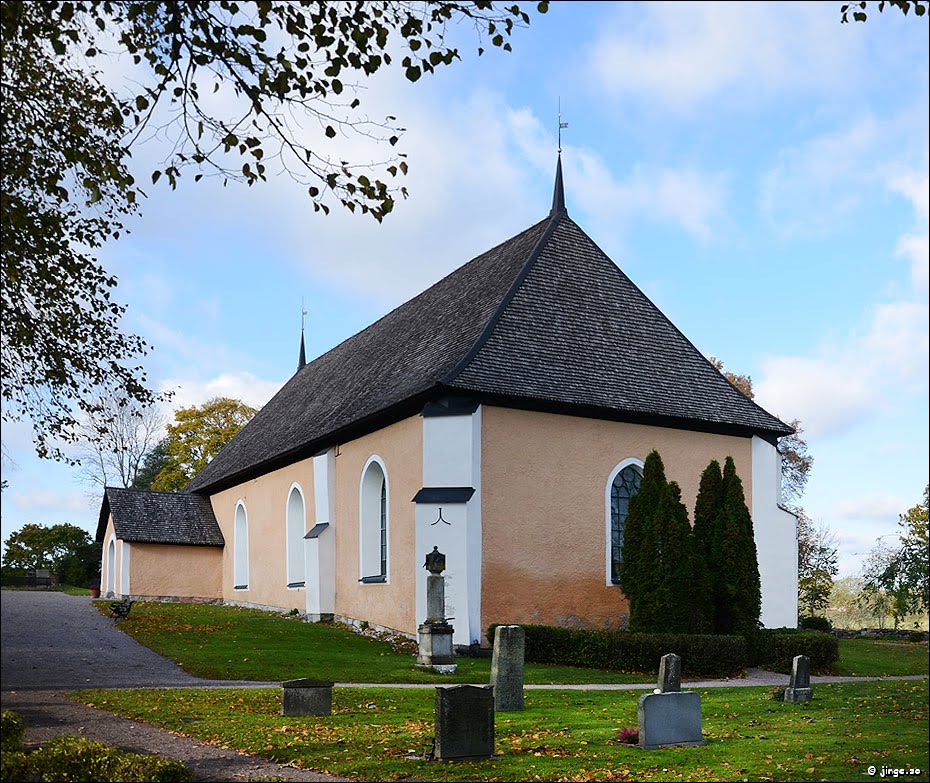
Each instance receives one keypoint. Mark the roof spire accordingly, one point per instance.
(558, 193)
(302, 356)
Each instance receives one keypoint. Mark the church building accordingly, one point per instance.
(503, 415)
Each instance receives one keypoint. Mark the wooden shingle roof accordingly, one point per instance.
(544, 321)
(146, 517)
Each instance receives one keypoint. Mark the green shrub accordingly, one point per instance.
(915, 636)
(774, 648)
(816, 623)
(76, 760)
(12, 728)
(701, 655)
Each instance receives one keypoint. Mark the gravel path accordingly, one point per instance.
(52, 642)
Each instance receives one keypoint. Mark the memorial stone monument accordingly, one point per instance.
(507, 668)
(670, 717)
(464, 722)
(799, 686)
(435, 634)
(307, 697)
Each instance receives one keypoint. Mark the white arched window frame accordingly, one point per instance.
(295, 528)
(608, 516)
(111, 565)
(374, 523)
(241, 548)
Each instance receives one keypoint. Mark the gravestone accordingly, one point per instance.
(799, 686)
(435, 650)
(464, 722)
(670, 673)
(507, 668)
(307, 696)
(670, 717)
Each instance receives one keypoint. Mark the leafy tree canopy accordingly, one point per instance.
(900, 576)
(817, 566)
(197, 436)
(152, 464)
(37, 546)
(67, 137)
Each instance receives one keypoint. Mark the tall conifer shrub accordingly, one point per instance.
(737, 593)
(707, 508)
(638, 543)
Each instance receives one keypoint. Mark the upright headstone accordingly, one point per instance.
(307, 697)
(669, 673)
(464, 722)
(435, 649)
(799, 686)
(507, 668)
(669, 717)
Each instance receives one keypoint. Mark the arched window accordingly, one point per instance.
(241, 549)
(373, 522)
(111, 567)
(623, 485)
(296, 527)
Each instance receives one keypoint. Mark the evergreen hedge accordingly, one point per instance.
(702, 655)
(775, 648)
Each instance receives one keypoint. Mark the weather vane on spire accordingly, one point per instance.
(302, 356)
(561, 125)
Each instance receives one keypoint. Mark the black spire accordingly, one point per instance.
(302, 357)
(558, 193)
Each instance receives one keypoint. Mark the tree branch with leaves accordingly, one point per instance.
(67, 137)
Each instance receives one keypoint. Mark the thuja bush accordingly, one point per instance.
(816, 623)
(623, 651)
(775, 648)
(74, 759)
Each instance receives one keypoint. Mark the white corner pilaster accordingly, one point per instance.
(776, 535)
(124, 569)
(320, 542)
(452, 484)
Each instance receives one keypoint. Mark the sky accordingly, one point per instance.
(759, 170)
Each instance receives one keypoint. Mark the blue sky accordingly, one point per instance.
(760, 170)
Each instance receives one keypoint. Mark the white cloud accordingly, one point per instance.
(833, 389)
(916, 246)
(883, 359)
(243, 386)
(878, 508)
(689, 198)
(684, 54)
(814, 184)
(49, 500)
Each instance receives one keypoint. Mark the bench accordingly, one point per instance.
(120, 609)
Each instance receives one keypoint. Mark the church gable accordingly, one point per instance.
(578, 332)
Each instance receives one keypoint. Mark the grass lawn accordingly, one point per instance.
(562, 735)
(870, 658)
(232, 643)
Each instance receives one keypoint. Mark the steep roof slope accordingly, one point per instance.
(543, 320)
(146, 517)
(578, 331)
(393, 361)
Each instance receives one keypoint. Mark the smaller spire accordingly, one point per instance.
(302, 356)
(558, 192)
